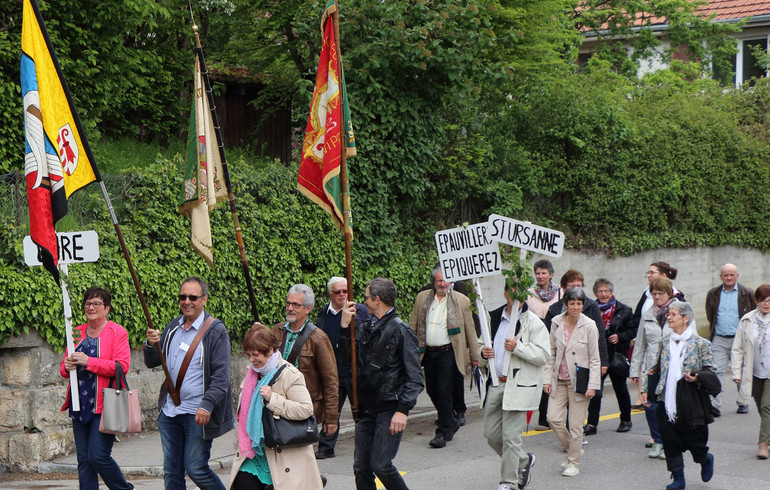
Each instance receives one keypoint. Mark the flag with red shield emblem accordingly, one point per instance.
(329, 130)
(57, 159)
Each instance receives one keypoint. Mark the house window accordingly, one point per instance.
(745, 65)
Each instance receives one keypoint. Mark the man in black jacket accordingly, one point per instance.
(390, 379)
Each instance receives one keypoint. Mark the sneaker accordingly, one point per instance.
(541, 428)
(438, 442)
(707, 468)
(525, 475)
(589, 430)
(564, 464)
(503, 486)
(656, 450)
(585, 441)
(662, 454)
(743, 409)
(570, 470)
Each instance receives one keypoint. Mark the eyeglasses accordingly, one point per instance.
(251, 355)
(368, 296)
(764, 302)
(340, 291)
(293, 304)
(191, 297)
(95, 304)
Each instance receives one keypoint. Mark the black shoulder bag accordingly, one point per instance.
(281, 432)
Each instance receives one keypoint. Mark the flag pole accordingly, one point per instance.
(347, 231)
(225, 172)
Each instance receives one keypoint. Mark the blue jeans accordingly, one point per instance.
(375, 449)
(184, 450)
(94, 457)
(652, 422)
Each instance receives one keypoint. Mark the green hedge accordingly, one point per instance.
(288, 240)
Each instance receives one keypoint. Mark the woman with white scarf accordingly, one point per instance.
(751, 362)
(686, 379)
(257, 467)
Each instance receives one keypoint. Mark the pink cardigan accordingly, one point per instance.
(113, 346)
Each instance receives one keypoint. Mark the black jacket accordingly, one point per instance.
(400, 378)
(622, 324)
(591, 310)
(693, 405)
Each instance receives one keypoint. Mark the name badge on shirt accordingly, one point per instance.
(184, 346)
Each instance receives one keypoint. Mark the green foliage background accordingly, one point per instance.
(461, 109)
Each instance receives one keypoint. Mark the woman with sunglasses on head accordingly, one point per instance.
(256, 466)
(751, 362)
(101, 343)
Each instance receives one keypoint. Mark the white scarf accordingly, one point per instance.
(676, 346)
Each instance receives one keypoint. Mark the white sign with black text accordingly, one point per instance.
(522, 234)
(465, 253)
(75, 247)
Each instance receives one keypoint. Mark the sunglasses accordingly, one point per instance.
(340, 291)
(191, 297)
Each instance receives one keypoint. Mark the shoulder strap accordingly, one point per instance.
(296, 348)
(191, 350)
(277, 373)
(387, 332)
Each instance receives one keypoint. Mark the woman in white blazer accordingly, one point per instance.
(574, 352)
(751, 362)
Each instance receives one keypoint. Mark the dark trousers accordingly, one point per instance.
(440, 369)
(542, 410)
(326, 442)
(247, 481)
(94, 451)
(621, 393)
(375, 449)
(676, 442)
(458, 393)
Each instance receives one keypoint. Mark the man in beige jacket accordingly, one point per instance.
(443, 323)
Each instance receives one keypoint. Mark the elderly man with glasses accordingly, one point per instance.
(329, 320)
(308, 348)
(197, 350)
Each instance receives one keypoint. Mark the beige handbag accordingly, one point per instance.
(120, 410)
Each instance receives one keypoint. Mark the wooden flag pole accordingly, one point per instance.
(347, 231)
(65, 294)
(226, 174)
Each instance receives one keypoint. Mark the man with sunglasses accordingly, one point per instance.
(329, 320)
(205, 411)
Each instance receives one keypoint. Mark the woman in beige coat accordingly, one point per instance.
(255, 466)
(574, 347)
(751, 360)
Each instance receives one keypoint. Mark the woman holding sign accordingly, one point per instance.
(572, 375)
(102, 343)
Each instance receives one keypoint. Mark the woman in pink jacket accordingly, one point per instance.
(99, 343)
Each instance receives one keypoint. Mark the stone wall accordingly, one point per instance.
(33, 428)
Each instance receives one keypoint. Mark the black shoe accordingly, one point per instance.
(624, 426)
(461, 418)
(589, 430)
(323, 480)
(743, 409)
(324, 454)
(715, 412)
(648, 444)
(525, 476)
(452, 429)
(438, 442)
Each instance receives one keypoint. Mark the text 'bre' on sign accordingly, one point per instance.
(75, 247)
(465, 253)
(525, 235)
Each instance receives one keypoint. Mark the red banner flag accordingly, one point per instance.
(329, 131)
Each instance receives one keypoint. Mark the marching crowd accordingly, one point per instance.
(552, 354)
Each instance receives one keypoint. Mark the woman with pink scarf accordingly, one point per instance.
(256, 466)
